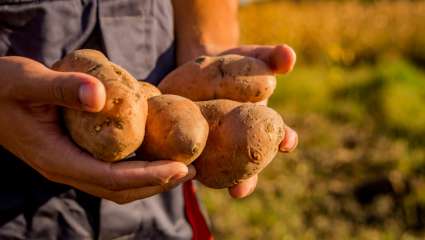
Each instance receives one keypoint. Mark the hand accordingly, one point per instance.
(30, 129)
(281, 59)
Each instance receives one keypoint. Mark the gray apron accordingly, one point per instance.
(136, 34)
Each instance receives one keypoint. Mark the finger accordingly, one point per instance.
(64, 160)
(36, 83)
(131, 174)
(126, 175)
(70, 89)
(290, 142)
(129, 195)
(280, 58)
(244, 188)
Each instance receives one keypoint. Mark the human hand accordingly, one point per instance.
(281, 60)
(30, 129)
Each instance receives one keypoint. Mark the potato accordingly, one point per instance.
(175, 130)
(214, 110)
(118, 130)
(234, 77)
(243, 139)
(148, 89)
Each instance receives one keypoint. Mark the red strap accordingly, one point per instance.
(200, 229)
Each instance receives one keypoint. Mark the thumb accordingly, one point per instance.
(280, 58)
(68, 89)
(30, 81)
(75, 90)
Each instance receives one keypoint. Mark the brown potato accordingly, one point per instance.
(243, 139)
(234, 77)
(148, 89)
(118, 130)
(175, 130)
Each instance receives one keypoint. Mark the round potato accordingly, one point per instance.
(234, 77)
(243, 139)
(118, 130)
(175, 130)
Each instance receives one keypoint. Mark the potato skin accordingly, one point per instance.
(234, 77)
(175, 130)
(214, 110)
(118, 130)
(243, 139)
(148, 89)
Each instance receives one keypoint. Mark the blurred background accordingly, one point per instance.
(357, 100)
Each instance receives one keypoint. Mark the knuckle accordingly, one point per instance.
(156, 178)
(161, 181)
(152, 176)
(57, 90)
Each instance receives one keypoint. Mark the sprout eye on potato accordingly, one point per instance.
(118, 130)
(234, 77)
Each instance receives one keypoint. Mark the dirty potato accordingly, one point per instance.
(118, 130)
(243, 139)
(233, 77)
(148, 89)
(175, 130)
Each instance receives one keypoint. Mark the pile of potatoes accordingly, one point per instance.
(203, 113)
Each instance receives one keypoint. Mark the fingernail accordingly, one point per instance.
(285, 58)
(92, 96)
(249, 191)
(289, 142)
(85, 96)
(288, 146)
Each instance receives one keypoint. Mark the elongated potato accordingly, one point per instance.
(243, 139)
(234, 77)
(175, 130)
(118, 130)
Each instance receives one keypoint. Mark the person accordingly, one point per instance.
(49, 188)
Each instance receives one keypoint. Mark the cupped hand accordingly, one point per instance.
(281, 60)
(30, 128)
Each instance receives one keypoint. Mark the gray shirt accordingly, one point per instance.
(136, 34)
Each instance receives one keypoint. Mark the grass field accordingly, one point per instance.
(357, 99)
